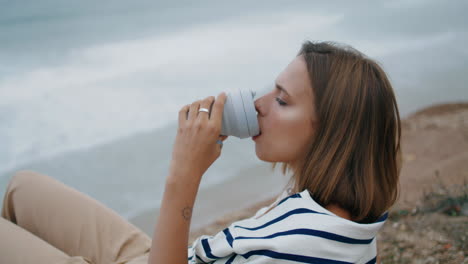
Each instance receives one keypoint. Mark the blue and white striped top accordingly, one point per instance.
(296, 230)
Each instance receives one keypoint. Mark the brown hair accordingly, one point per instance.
(354, 159)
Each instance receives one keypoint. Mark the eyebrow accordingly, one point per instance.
(281, 88)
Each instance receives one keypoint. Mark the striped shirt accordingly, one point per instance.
(296, 230)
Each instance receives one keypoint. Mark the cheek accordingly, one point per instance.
(292, 130)
(293, 121)
(299, 130)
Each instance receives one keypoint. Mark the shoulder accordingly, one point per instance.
(294, 210)
(296, 227)
(299, 229)
(298, 216)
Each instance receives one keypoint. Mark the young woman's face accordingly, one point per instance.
(286, 116)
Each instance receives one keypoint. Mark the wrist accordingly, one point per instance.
(178, 186)
(181, 176)
(179, 170)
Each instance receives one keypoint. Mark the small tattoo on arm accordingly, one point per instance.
(187, 213)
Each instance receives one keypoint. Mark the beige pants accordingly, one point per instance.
(45, 221)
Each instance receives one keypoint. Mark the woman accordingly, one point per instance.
(332, 120)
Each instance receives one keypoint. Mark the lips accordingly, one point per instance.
(255, 137)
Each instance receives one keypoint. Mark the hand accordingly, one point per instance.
(195, 147)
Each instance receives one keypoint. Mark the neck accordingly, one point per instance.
(339, 211)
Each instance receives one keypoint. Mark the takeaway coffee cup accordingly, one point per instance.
(239, 114)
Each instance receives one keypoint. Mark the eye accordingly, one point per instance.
(280, 101)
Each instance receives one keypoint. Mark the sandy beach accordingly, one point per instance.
(435, 155)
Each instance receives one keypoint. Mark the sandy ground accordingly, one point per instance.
(435, 151)
(435, 156)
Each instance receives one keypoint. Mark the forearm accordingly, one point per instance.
(170, 238)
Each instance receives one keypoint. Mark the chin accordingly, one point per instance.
(265, 155)
(259, 154)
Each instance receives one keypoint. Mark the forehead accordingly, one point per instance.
(295, 79)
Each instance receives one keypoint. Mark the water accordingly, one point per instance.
(89, 90)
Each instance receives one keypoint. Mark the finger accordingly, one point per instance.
(219, 143)
(203, 116)
(218, 108)
(193, 111)
(183, 113)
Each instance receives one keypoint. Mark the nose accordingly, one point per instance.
(257, 106)
(261, 104)
(261, 94)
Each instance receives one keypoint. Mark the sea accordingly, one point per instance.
(90, 90)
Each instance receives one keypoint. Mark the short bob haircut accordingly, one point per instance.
(354, 157)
